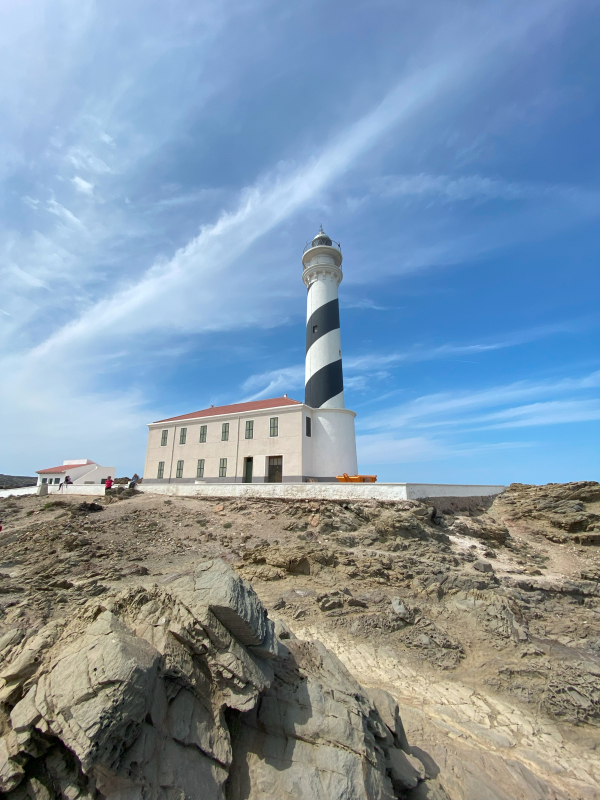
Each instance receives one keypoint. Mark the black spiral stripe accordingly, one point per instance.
(324, 384)
(324, 319)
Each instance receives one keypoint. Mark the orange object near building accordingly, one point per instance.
(345, 478)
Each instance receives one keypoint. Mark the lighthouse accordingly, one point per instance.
(322, 275)
(333, 450)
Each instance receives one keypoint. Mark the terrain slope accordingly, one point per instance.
(480, 618)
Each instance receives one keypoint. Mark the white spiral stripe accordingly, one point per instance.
(325, 350)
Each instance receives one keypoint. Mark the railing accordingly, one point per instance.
(309, 245)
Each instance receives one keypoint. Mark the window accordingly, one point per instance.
(163, 438)
(161, 469)
(223, 468)
(202, 434)
(44, 480)
(274, 426)
(249, 429)
(182, 435)
(56, 480)
(200, 468)
(179, 473)
(225, 432)
(308, 426)
(315, 328)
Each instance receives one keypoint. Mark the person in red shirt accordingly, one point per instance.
(109, 483)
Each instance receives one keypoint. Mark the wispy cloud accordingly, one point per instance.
(554, 412)
(83, 159)
(367, 304)
(83, 186)
(63, 213)
(165, 297)
(480, 188)
(275, 382)
(376, 360)
(385, 449)
(360, 371)
(451, 410)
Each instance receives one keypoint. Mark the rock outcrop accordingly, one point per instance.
(191, 691)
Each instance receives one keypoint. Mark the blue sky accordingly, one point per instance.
(163, 165)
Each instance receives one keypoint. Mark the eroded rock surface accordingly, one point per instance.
(479, 616)
(155, 696)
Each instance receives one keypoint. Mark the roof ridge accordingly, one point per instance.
(232, 408)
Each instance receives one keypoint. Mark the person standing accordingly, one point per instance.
(109, 483)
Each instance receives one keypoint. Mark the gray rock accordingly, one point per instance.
(356, 602)
(389, 711)
(400, 609)
(133, 703)
(315, 735)
(25, 714)
(11, 772)
(107, 674)
(283, 631)
(270, 647)
(331, 603)
(230, 598)
(10, 639)
(406, 771)
(483, 566)
(194, 723)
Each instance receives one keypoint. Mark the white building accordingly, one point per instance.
(81, 471)
(266, 441)
(276, 440)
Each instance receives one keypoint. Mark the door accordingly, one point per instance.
(248, 464)
(275, 474)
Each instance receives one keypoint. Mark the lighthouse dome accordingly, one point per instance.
(321, 238)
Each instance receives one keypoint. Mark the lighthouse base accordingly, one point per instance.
(331, 448)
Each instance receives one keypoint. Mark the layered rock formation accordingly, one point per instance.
(480, 616)
(191, 691)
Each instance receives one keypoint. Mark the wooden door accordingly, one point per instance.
(248, 464)
(275, 474)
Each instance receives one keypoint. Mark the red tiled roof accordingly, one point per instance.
(236, 408)
(62, 468)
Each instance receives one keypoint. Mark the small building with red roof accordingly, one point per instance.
(80, 471)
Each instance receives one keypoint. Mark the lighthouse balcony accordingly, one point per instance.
(326, 243)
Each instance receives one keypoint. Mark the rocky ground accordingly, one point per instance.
(482, 620)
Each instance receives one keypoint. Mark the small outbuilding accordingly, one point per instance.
(81, 472)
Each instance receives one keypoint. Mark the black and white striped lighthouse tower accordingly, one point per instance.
(332, 448)
(322, 275)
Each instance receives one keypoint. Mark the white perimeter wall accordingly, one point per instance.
(418, 490)
(89, 491)
(354, 492)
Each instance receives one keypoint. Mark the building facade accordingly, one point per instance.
(267, 441)
(280, 439)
